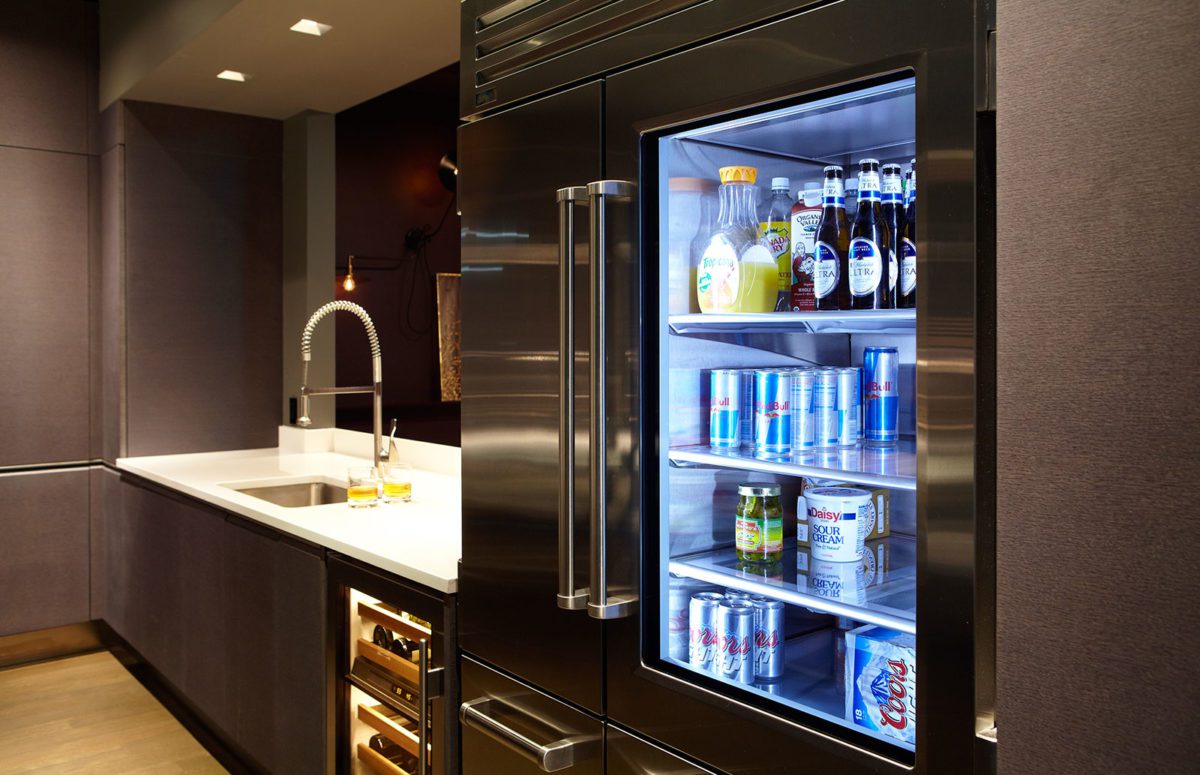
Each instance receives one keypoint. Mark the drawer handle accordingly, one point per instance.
(550, 757)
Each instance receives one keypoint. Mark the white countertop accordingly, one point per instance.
(420, 540)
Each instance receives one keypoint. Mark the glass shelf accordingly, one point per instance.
(894, 466)
(890, 321)
(886, 596)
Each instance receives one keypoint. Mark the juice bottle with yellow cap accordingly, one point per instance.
(737, 272)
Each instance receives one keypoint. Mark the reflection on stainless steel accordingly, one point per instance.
(297, 494)
(485, 714)
(376, 389)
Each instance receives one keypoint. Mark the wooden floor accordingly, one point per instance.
(87, 714)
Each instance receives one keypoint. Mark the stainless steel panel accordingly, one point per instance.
(511, 166)
(629, 755)
(1096, 411)
(787, 59)
(512, 729)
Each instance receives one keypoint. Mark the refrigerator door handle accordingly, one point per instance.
(550, 757)
(569, 598)
(601, 606)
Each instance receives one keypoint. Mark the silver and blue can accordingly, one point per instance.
(725, 398)
(824, 404)
(847, 408)
(772, 411)
(746, 407)
(703, 643)
(768, 638)
(736, 594)
(881, 395)
(803, 428)
(735, 633)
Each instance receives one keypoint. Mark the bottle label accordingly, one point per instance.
(758, 536)
(717, 277)
(893, 270)
(866, 266)
(804, 230)
(825, 270)
(868, 186)
(777, 235)
(908, 266)
(891, 185)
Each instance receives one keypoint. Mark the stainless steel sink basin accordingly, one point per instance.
(297, 494)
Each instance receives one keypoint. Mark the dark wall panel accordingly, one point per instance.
(388, 151)
(44, 574)
(1097, 418)
(43, 307)
(45, 74)
(202, 279)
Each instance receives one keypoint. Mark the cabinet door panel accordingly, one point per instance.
(44, 575)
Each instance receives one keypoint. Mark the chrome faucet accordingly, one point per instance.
(376, 389)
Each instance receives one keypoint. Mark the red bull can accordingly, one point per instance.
(735, 633)
(772, 411)
(847, 407)
(725, 397)
(803, 428)
(768, 638)
(746, 414)
(703, 643)
(881, 395)
(824, 404)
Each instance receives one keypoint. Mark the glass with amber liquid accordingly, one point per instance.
(363, 489)
(397, 483)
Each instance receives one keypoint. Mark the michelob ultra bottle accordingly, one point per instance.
(833, 245)
(907, 285)
(737, 273)
(893, 215)
(870, 242)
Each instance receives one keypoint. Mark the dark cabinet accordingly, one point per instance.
(231, 614)
(44, 524)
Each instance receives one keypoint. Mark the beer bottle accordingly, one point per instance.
(833, 244)
(893, 215)
(870, 241)
(907, 285)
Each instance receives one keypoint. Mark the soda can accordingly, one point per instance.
(847, 410)
(678, 615)
(724, 428)
(881, 395)
(803, 430)
(736, 594)
(858, 397)
(772, 411)
(746, 408)
(702, 626)
(735, 634)
(824, 404)
(768, 638)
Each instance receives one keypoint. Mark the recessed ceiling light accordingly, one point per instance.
(233, 75)
(309, 27)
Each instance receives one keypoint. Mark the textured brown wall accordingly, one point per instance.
(1097, 553)
(387, 158)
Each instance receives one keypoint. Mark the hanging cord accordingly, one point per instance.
(415, 324)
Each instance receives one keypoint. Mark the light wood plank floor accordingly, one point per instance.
(86, 714)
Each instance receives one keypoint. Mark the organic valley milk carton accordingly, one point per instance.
(881, 681)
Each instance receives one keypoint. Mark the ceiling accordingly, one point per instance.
(374, 46)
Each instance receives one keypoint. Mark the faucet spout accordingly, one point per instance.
(376, 388)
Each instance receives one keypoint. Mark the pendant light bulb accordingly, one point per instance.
(348, 284)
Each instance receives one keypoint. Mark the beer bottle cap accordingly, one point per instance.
(738, 174)
(866, 163)
(833, 168)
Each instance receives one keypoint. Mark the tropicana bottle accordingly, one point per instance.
(737, 272)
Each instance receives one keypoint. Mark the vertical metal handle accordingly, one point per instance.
(569, 598)
(600, 605)
(423, 706)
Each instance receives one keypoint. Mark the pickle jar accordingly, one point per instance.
(758, 530)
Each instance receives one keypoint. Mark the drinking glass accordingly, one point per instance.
(397, 483)
(363, 489)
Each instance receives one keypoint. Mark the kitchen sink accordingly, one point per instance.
(296, 494)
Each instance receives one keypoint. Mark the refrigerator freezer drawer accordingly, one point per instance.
(629, 755)
(509, 728)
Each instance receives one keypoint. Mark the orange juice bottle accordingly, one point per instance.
(737, 272)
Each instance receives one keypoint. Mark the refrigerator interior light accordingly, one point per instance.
(310, 27)
(233, 75)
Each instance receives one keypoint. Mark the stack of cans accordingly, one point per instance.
(736, 636)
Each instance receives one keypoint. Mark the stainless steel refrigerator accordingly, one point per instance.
(594, 502)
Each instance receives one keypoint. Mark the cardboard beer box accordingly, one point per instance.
(881, 681)
(879, 519)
